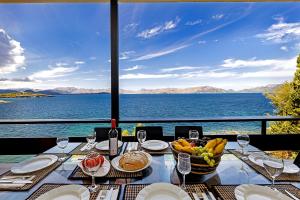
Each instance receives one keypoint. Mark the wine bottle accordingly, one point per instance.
(113, 139)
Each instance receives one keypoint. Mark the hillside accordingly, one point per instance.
(21, 95)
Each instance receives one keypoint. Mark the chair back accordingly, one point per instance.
(183, 131)
(102, 133)
(153, 132)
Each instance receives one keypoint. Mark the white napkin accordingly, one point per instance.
(114, 195)
(14, 185)
(88, 147)
(133, 146)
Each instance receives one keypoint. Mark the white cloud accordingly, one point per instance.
(160, 53)
(147, 76)
(60, 64)
(130, 27)
(269, 74)
(193, 23)
(178, 68)
(284, 48)
(26, 79)
(217, 16)
(202, 42)
(269, 63)
(149, 33)
(11, 54)
(92, 58)
(126, 55)
(136, 67)
(53, 73)
(281, 32)
(90, 79)
(79, 62)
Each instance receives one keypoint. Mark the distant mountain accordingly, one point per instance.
(73, 90)
(263, 89)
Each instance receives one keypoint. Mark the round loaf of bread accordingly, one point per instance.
(132, 161)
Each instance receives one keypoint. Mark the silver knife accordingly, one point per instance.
(291, 195)
(207, 195)
(15, 181)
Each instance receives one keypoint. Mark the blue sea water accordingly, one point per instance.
(137, 106)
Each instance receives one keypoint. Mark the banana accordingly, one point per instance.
(219, 149)
(219, 140)
(178, 147)
(211, 144)
(184, 143)
(188, 149)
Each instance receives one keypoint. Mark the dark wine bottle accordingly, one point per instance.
(113, 140)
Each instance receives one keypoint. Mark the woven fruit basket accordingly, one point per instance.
(204, 160)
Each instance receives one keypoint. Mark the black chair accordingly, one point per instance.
(102, 133)
(183, 131)
(297, 160)
(153, 132)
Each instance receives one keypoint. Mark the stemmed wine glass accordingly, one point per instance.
(273, 166)
(184, 166)
(243, 140)
(92, 164)
(62, 143)
(193, 134)
(91, 139)
(141, 136)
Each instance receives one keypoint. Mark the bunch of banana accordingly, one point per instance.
(183, 146)
(216, 146)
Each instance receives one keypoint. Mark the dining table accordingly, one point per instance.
(231, 171)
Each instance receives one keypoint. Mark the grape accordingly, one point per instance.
(210, 154)
(206, 158)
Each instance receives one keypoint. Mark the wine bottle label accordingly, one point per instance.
(113, 146)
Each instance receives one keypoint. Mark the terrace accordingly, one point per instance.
(231, 171)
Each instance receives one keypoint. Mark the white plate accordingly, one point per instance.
(103, 146)
(257, 192)
(67, 192)
(165, 191)
(34, 164)
(103, 170)
(155, 145)
(115, 163)
(289, 167)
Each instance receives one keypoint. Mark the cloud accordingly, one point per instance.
(147, 76)
(202, 42)
(284, 48)
(154, 31)
(180, 68)
(53, 73)
(193, 23)
(79, 62)
(297, 46)
(126, 55)
(281, 32)
(130, 27)
(92, 58)
(217, 16)
(60, 64)
(160, 53)
(90, 79)
(26, 79)
(136, 67)
(11, 54)
(268, 74)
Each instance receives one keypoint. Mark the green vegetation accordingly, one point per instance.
(21, 95)
(126, 132)
(286, 99)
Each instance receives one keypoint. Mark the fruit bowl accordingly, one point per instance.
(205, 161)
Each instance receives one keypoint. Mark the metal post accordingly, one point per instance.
(263, 127)
(114, 37)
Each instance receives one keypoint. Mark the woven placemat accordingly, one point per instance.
(77, 150)
(132, 190)
(113, 173)
(47, 187)
(38, 176)
(165, 151)
(282, 177)
(226, 192)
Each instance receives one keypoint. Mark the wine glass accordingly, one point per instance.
(193, 134)
(273, 166)
(62, 143)
(184, 166)
(91, 139)
(243, 140)
(141, 136)
(91, 164)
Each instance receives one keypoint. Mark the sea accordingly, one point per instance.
(133, 106)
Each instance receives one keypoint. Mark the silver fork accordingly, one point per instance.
(102, 195)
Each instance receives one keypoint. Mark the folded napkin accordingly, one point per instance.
(132, 146)
(114, 195)
(14, 185)
(88, 147)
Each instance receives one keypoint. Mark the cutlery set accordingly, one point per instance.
(107, 194)
(16, 179)
(206, 195)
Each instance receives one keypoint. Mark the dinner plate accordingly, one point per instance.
(289, 167)
(104, 146)
(67, 192)
(155, 145)
(34, 164)
(115, 163)
(165, 191)
(103, 170)
(257, 192)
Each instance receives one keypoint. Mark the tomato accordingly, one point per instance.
(193, 144)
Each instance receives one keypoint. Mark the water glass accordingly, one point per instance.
(184, 166)
(91, 139)
(141, 137)
(273, 166)
(62, 143)
(91, 164)
(193, 135)
(243, 140)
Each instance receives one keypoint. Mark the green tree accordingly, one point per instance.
(286, 99)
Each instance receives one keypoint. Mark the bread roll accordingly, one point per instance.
(132, 161)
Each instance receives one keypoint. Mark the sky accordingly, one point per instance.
(162, 45)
